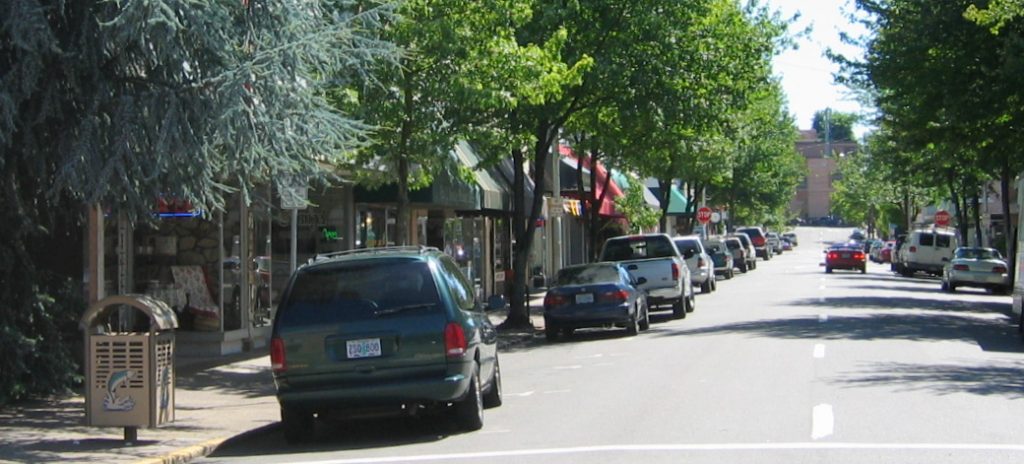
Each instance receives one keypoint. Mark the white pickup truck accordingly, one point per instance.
(655, 258)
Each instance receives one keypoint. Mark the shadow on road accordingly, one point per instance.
(332, 435)
(1004, 380)
(986, 324)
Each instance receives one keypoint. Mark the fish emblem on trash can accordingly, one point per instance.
(113, 402)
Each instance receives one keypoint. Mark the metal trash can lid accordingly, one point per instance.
(161, 316)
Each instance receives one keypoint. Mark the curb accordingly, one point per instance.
(186, 454)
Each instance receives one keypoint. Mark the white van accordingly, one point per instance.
(927, 250)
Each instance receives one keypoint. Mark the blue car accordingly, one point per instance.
(594, 295)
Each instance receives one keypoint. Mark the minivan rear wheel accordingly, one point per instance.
(492, 398)
(469, 411)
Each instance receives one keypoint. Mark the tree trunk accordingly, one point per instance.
(595, 213)
(959, 207)
(664, 197)
(402, 213)
(976, 209)
(523, 225)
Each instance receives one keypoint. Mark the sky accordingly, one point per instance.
(806, 72)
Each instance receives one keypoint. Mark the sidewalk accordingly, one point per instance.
(215, 399)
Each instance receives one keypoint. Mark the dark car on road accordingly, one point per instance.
(594, 295)
(760, 241)
(382, 331)
(849, 256)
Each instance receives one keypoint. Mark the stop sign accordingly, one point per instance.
(704, 215)
(942, 218)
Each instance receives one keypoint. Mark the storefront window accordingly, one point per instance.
(375, 227)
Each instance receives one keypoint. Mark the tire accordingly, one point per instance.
(728, 274)
(828, 270)
(952, 287)
(679, 308)
(691, 302)
(863, 269)
(645, 323)
(705, 287)
(297, 425)
(492, 398)
(753, 264)
(550, 333)
(633, 326)
(567, 332)
(714, 284)
(469, 411)
(743, 267)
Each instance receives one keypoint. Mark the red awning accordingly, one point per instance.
(608, 205)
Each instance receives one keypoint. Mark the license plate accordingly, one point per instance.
(584, 298)
(365, 348)
(846, 255)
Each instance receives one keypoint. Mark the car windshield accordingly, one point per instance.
(584, 275)
(359, 290)
(687, 246)
(978, 253)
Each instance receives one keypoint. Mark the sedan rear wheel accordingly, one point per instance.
(645, 322)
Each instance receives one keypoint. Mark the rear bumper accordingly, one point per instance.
(592, 318)
(979, 279)
(845, 264)
(360, 396)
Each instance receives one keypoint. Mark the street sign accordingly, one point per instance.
(716, 217)
(294, 197)
(942, 218)
(704, 214)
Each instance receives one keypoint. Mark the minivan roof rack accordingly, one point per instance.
(417, 248)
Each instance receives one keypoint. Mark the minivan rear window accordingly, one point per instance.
(359, 290)
(942, 240)
(926, 240)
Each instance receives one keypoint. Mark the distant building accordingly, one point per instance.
(813, 197)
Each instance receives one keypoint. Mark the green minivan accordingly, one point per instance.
(382, 331)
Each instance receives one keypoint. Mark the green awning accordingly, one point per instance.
(677, 204)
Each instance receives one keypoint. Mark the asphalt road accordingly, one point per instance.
(785, 364)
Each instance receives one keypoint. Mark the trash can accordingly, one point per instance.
(129, 375)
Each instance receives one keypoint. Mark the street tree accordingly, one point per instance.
(834, 125)
(121, 103)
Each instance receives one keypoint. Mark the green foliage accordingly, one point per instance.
(120, 103)
(641, 216)
(839, 126)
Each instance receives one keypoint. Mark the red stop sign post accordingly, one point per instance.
(704, 215)
(942, 218)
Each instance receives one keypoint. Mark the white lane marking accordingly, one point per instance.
(574, 366)
(819, 351)
(823, 318)
(685, 447)
(550, 392)
(822, 421)
(523, 394)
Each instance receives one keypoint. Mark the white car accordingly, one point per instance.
(976, 267)
(702, 268)
(774, 241)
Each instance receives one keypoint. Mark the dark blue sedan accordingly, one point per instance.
(594, 295)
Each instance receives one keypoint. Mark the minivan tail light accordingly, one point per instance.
(277, 361)
(758, 241)
(675, 271)
(454, 340)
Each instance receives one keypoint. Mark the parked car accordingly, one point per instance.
(656, 259)
(702, 269)
(786, 244)
(594, 295)
(792, 238)
(885, 254)
(875, 250)
(750, 254)
(846, 256)
(383, 330)
(976, 267)
(774, 242)
(857, 235)
(926, 250)
(721, 256)
(757, 237)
